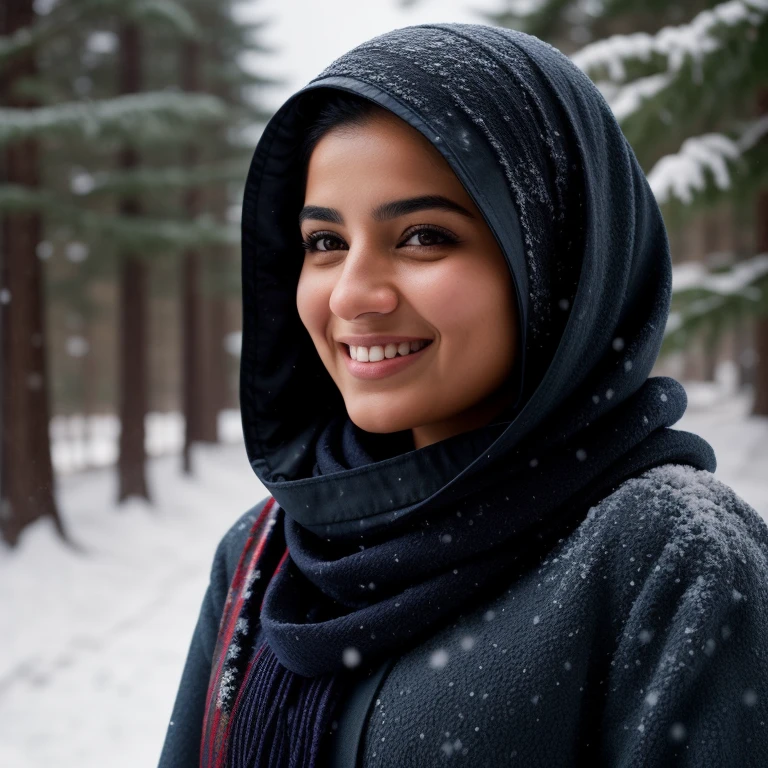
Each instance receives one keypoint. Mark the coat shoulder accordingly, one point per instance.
(686, 561)
(670, 526)
(679, 508)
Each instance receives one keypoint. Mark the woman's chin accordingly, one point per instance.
(379, 420)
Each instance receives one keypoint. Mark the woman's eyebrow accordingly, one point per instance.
(390, 210)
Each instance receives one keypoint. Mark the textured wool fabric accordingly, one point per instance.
(640, 640)
(389, 550)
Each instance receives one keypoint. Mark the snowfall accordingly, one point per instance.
(94, 635)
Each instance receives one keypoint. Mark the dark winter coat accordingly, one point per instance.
(602, 600)
(639, 641)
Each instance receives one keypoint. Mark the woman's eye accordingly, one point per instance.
(427, 237)
(311, 243)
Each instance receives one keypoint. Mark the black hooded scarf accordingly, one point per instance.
(378, 549)
(383, 551)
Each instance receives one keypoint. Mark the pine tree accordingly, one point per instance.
(133, 279)
(211, 64)
(26, 472)
(71, 117)
(193, 394)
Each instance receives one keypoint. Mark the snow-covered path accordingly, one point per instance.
(93, 641)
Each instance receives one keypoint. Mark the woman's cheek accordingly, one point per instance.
(312, 305)
(452, 302)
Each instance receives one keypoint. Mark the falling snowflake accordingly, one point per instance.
(351, 657)
(438, 659)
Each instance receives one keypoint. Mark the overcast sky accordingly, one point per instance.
(310, 34)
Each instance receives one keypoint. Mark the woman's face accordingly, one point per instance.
(404, 289)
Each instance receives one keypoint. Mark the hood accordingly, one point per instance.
(538, 149)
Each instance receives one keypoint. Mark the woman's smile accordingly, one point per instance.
(381, 357)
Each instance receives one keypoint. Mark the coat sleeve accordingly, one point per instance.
(689, 679)
(182, 741)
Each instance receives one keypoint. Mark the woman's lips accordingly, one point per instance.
(382, 368)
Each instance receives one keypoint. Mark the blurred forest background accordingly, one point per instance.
(126, 131)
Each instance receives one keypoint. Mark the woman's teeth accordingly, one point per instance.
(376, 353)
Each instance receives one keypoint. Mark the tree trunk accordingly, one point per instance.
(209, 366)
(760, 405)
(222, 259)
(760, 375)
(26, 470)
(134, 380)
(191, 384)
(195, 397)
(219, 357)
(218, 320)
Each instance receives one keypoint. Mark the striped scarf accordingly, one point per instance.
(258, 714)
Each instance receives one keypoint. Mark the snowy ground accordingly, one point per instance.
(93, 641)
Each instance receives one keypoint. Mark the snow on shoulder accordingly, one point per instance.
(678, 561)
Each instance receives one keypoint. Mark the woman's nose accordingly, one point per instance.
(365, 284)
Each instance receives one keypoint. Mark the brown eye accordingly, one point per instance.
(429, 236)
(310, 244)
(325, 239)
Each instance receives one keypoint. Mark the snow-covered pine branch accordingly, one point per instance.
(66, 15)
(703, 161)
(702, 299)
(683, 174)
(132, 232)
(625, 100)
(167, 12)
(58, 20)
(739, 279)
(85, 184)
(141, 116)
(671, 47)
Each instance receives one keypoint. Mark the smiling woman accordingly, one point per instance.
(483, 538)
(400, 296)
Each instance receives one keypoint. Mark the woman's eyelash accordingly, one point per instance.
(448, 239)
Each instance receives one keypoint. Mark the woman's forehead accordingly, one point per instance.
(382, 160)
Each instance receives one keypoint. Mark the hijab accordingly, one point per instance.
(384, 543)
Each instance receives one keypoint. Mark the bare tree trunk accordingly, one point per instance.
(134, 380)
(217, 384)
(191, 375)
(195, 395)
(218, 355)
(760, 405)
(221, 257)
(760, 371)
(26, 470)
(209, 407)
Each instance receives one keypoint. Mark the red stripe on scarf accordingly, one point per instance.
(211, 754)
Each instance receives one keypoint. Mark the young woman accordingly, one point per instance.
(483, 539)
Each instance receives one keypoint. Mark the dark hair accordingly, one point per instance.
(331, 108)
